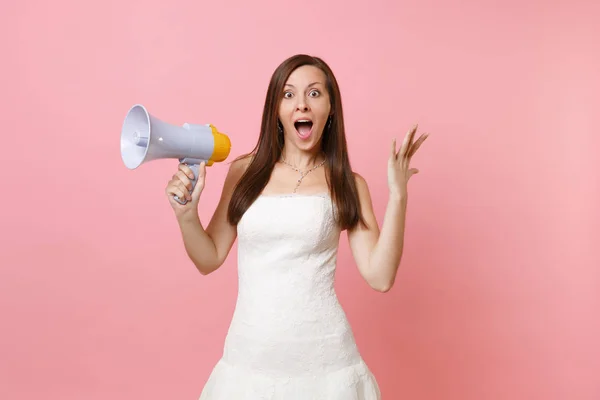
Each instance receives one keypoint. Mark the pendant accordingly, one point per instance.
(302, 174)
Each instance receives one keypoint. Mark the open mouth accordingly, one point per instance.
(303, 127)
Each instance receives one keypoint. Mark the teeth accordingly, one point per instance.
(303, 120)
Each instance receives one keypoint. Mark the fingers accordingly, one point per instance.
(184, 179)
(408, 141)
(177, 188)
(202, 170)
(186, 170)
(417, 144)
(408, 148)
(201, 179)
(181, 183)
(180, 193)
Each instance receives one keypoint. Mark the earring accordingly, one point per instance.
(279, 127)
(329, 123)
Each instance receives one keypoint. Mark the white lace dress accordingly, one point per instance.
(289, 337)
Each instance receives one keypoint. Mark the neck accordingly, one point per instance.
(301, 159)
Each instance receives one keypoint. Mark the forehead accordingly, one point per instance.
(306, 75)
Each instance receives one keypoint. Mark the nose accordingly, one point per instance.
(302, 106)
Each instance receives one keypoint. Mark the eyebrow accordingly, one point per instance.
(312, 84)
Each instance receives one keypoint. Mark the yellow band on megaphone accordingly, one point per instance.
(222, 146)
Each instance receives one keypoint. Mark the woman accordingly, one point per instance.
(287, 202)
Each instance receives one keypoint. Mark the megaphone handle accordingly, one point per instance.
(195, 170)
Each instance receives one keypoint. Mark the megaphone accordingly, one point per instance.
(145, 138)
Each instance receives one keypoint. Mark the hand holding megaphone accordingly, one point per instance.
(187, 183)
(145, 138)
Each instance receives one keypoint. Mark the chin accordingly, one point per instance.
(309, 143)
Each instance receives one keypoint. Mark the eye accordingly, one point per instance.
(288, 95)
(314, 93)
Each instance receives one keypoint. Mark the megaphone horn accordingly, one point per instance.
(145, 138)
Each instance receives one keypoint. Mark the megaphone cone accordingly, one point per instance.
(145, 138)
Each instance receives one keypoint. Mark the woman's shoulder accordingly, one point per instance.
(362, 187)
(360, 181)
(242, 161)
(239, 165)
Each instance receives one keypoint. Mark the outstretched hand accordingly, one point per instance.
(399, 171)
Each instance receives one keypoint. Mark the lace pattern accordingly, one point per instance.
(289, 337)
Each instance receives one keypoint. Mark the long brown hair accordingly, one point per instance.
(266, 153)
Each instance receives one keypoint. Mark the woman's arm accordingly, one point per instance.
(378, 254)
(208, 248)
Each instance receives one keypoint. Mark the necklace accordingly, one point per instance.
(302, 173)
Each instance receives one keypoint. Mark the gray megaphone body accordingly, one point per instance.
(145, 138)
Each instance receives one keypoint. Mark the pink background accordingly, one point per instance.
(498, 296)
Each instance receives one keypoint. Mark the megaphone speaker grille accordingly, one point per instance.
(135, 136)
